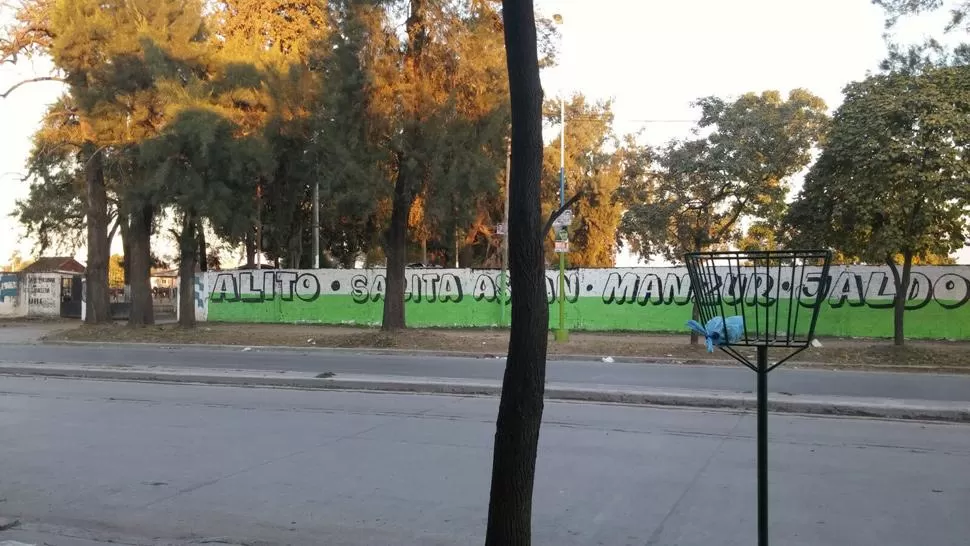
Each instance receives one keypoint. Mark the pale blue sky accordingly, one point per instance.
(653, 57)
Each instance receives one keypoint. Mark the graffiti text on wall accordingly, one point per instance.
(8, 288)
(874, 289)
(42, 292)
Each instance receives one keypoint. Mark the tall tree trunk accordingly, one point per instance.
(188, 250)
(520, 409)
(902, 282)
(695, 313)
(140, 264)
(408, 177)
(250, 244)
(124, 229)
(203, 255)
(395, 248)
(98, 297)
(294, 246)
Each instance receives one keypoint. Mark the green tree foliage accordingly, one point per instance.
(706, 186)
(54, 210)
(679, 207)
(265, 49)
(892, 184)
(932, 52)
(429, 104)
(207, 172)
(126, 63)
(594, 167)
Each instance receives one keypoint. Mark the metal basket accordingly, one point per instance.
(777, 294)
(762, 299)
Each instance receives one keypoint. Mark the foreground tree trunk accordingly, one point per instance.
(188, 249)
(140, 265)
(396, 250)
(902, 282)
(520, 409)
(98, 297)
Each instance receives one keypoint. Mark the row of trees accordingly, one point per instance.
(225, 115)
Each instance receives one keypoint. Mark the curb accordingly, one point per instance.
(957, 412)
(671, 361)
(378, 351)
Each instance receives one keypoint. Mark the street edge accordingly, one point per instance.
(879, 408)
(667, 361)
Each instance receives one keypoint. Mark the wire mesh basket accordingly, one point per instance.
(759, 298)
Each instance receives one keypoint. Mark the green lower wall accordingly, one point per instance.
(931, 321)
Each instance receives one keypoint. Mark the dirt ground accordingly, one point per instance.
(931, 356)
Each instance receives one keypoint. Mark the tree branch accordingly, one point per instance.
(31, 80)
(894, 269)
(727, 227)
(558, 213)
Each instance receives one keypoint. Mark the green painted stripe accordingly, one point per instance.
(932, 321)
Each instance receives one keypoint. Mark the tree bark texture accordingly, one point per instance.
(140, 264)
(396, 250)
(124, 228)
(96, 275)
(203, 255)
(407, 181)
(188, 250)
(520, 408)
(250, 244)
(902, 282)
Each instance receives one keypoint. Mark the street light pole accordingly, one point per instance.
(316, 225)
(562, 334)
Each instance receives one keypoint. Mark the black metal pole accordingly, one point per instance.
(762, 445)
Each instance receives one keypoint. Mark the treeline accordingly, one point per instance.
(226, 115)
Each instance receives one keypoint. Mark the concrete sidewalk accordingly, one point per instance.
(890, 408)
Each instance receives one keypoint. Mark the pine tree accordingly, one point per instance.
(429, 106)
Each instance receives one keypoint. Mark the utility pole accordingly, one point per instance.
(316, 224)
(562, 334)
(259, 227)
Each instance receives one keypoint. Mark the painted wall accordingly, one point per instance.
(859, 299)
(10, 292)
(43, 294)
(31, 294)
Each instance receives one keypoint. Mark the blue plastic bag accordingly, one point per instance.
(714, 331)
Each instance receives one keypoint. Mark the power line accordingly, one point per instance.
(594, 118)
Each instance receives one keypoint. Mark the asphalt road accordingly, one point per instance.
(153, 464)
(736, 379)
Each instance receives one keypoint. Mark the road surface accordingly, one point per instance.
(920, 386)
(154, 464)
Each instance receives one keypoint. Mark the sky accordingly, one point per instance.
(652, 57)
